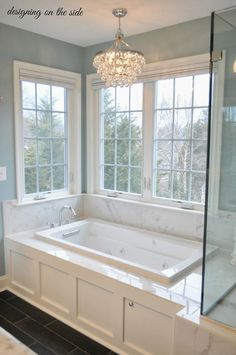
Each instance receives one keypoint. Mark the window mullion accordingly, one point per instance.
(51, 143)
(37, 141)
(191, 145)
(94, 148)
(148, 109)
(115, 147)
(172, 143)
(129, 144)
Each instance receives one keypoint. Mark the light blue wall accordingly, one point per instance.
(25, 46)
(172, 42)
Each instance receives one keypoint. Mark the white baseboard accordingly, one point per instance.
(4, 282)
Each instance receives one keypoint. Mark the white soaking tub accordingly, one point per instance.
(154, 255)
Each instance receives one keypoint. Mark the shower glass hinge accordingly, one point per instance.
(216, 56)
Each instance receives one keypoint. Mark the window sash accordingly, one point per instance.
(50, 139)
(188, 172)
(117, 165)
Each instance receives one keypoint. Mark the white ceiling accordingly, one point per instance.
(98, 25)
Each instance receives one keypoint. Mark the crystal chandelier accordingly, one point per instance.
(120, 64)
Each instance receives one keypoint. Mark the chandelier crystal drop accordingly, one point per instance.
(120, 64)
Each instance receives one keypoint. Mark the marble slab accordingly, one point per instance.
(164, 219)
(18, 218)
(156, 218)
(193, 339)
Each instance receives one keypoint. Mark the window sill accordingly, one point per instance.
(150, 204)
(31, 201)
(183, 205)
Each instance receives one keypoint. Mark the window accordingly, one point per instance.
(45, 123)
(44, 112)
(148, 141)
(180, 137)
(121, 138)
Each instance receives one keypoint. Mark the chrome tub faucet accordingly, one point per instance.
(66, 207)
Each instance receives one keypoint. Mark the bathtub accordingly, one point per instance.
(156, 256)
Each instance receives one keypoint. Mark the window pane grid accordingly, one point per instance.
(177, 170)
(42, 110)
(113, 165)
(119, 112)
(120, 169)
(191, 145)
(189, 122)
(50, 138)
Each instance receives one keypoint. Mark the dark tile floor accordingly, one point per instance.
(41, 332)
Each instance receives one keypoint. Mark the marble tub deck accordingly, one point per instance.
(185, 292)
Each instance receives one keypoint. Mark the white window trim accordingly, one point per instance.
(72, 81)
(151, 72)
(216, 133)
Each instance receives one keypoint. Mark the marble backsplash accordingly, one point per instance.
(173, 221)
(18, 218)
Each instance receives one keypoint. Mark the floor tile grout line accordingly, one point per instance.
(7, 299)
(46, 325)
(15, 324)
(85, 352)
(37, 340)
(23, 331)
(31, 344)
(20, 320)
(53, 331)
(46, 347)
(29, 315)
(9, 321)
(77, 346)
(15, 308)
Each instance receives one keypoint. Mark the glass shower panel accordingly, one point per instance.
(219, 279)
